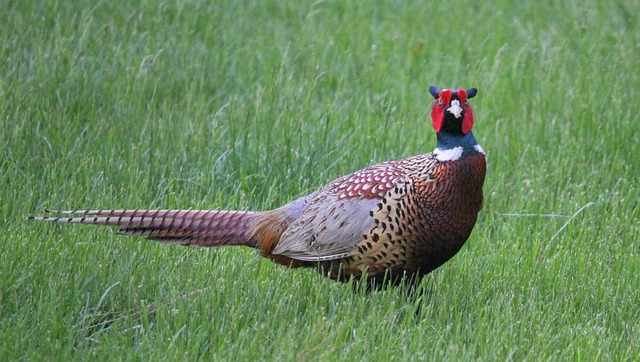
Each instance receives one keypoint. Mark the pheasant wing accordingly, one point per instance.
(340, 215)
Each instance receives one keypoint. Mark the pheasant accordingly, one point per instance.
(404, 217)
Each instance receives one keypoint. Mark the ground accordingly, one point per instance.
(250, 104)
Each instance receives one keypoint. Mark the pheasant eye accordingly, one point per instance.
(445, 97)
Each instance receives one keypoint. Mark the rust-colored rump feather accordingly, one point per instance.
(267, 231)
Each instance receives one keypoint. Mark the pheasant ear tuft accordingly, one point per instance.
(435, 92)
(471, 92)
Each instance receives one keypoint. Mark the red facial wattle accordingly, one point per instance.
(437, 112)
(467, 121)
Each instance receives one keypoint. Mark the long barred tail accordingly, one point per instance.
(205, 228)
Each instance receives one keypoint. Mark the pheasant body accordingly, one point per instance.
(404, 217)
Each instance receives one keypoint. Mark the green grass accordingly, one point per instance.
(248, 105)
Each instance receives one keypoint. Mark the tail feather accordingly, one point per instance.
(185, 227)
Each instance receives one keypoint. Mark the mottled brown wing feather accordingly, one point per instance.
(340, 215)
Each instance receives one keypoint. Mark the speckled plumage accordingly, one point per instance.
(406, 217)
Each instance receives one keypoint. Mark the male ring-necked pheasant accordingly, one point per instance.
(406, 217)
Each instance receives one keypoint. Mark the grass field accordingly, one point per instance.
(250, 104)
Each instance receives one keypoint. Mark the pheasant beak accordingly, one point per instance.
(455, 108)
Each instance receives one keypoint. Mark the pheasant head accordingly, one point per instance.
(452, 113)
